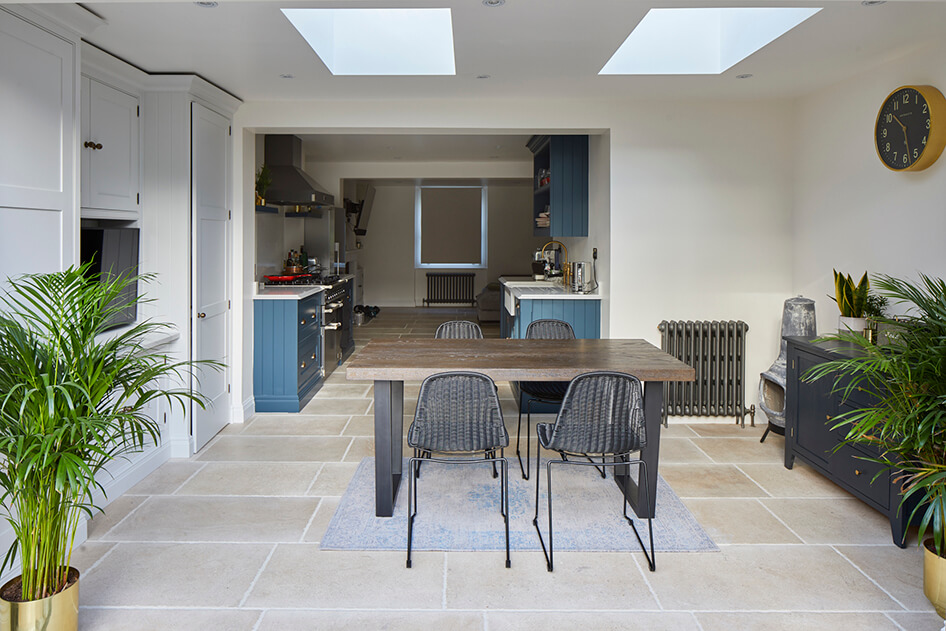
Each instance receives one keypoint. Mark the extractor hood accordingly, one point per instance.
(291, 186)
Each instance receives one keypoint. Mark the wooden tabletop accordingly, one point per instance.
(514, 359)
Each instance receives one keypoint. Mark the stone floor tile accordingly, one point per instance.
(847, 621)
(347, 620)
(167, 478)
(208, 518)
(116, 511)
(799, 481)
(832, 521)
(738, 521)
(274, 479)
(585, 580)
(898, 571)
(739, 450)
(165, 574)
(709, 480)
(139, 619)
(345, 407)
(361, 447)
(360, 425)
(333, 479)
(321, 519)
(727, 428)
(88, 554)
(597, 620)
(765, 578)
(910, 621)
(348, 390)
(275, 449)
(296, 425)
(680, 451)
(301, 577)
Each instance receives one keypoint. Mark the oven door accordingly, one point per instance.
(331, 333)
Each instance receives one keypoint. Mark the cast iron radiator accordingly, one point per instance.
(717, 352)
(449, 288)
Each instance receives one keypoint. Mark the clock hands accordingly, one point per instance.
(904, 128)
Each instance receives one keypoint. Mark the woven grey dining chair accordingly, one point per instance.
(551, 392)
(459, 330)
(458, 420)
(602, 414)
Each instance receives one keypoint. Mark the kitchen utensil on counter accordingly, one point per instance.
(294, 270)
(538, 270)
(579, 276)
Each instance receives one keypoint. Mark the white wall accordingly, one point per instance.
(851, 212)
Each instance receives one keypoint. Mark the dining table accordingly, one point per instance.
(389, 363)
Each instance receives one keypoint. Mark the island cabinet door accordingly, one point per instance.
(816, 409)
(583, 315)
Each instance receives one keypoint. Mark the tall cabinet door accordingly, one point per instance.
(37, 149)
(210, 167)
(109, 144)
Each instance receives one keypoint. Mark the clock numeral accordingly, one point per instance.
(894, 156)
(927, 123)
(896, 106)
(906, 158)
(887, 148)
(889, 118)
(906, 98)
(924, 108)
(883, 133)
(916, 153)
(924, 141)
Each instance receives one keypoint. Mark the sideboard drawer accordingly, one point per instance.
(848, 466)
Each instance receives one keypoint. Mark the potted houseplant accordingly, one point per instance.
(875, 310)
(264, 178)
(907, 424)
(851, 301)
(71, 400)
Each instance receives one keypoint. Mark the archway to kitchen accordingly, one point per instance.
(389, 164)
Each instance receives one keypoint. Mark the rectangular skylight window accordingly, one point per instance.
(701, 41)
(379, 41)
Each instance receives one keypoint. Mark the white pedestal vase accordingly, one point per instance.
(857, 325)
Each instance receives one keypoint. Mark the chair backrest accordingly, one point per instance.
(458, 411)
(550, 330)
(459, 330)
(602, 413)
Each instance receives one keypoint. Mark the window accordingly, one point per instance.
(450, 226)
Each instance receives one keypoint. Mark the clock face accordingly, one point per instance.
(905, 135)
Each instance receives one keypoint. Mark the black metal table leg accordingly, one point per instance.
(644, 503)
(388, 443)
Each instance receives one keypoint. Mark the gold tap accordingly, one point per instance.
(566, 273)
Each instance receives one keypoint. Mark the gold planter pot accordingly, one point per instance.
(934, 578)
(59, 612)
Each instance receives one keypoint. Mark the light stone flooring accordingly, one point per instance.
(229, 539)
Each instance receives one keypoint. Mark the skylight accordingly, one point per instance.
(701, 41)
(379, 41)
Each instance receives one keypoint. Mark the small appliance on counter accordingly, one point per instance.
(579, 276)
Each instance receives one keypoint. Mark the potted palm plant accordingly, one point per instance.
(907, 424)
(71, 400)
(851, 299)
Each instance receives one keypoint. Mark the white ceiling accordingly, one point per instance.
(528, 49)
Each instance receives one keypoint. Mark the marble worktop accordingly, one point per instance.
(295, 292)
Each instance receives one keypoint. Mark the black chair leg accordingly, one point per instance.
(524, 467)
(504, 491)
(488, 455)
(413, 465)
(535, 520)
(765, 433)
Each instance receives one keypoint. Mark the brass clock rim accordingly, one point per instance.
(936, 141)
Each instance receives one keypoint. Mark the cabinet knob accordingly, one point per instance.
(303, 364)
(857, 471)
(88, 144)
(313, 356)
(827, 417)
(302, 321)
(313, 316)
(201, 315)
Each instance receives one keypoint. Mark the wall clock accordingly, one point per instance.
(911, 128)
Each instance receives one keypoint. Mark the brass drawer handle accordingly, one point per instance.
(92, 145)
(857, 471)
(303, 364)
(827, 417)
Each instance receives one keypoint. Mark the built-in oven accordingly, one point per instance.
(332, 319)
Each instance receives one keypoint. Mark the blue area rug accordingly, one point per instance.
(459, 510)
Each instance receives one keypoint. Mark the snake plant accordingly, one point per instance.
(851, 298)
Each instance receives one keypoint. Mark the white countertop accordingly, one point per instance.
(524, 288)
(289, 292)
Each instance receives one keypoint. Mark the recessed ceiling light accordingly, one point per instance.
(377, 42)
(700, 40)
(746, 75)
(206, 5)
(872, 3)
(494, 3)
(287, 76)
(482, 76)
